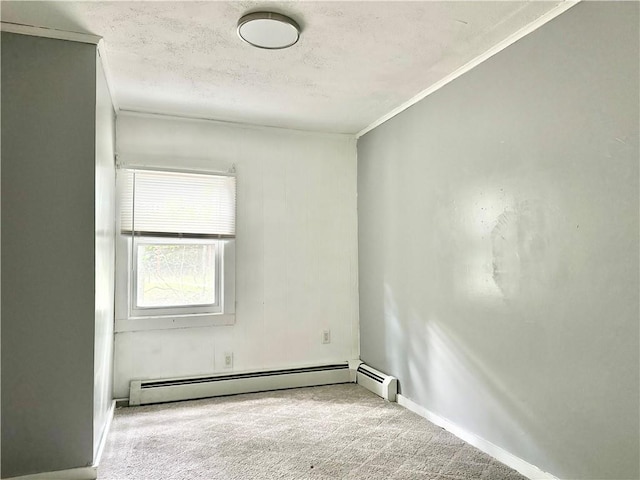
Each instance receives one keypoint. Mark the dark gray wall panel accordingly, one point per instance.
(48, 171)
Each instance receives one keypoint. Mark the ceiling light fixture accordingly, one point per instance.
(268, 30)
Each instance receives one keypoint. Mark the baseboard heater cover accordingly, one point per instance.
(379, 383)
(143, 392)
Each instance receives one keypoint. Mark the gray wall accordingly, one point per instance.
(48, 301)
(498, 244)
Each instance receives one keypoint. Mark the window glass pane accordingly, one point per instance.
(176, 274)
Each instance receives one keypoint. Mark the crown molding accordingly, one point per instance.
(510, 40)
(49, 33)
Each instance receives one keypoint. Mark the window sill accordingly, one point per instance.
(137, 324)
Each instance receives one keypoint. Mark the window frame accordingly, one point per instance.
(138, 311)
(129, 319)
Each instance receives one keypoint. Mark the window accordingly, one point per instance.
(175, 274)
(179, 230)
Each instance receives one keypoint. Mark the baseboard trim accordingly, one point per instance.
(81, 473)
(500, 454)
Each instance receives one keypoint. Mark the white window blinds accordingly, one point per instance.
(176, 204)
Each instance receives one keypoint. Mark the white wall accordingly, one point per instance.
(296, 250)
(104, 256)
(498, 246)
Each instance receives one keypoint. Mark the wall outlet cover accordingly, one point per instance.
(228, 359)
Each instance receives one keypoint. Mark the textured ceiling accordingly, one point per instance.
(355, 61)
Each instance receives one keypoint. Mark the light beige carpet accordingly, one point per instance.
(330, 432)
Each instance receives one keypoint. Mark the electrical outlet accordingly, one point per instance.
(326, 336)
(228, 359)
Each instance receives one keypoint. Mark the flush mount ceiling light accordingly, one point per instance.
(268, 30)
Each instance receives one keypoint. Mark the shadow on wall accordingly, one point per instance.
(452, 366)
(458, 350)
(455, 379)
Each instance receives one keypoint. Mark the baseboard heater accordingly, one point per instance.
(379, 383)
(143, 392)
